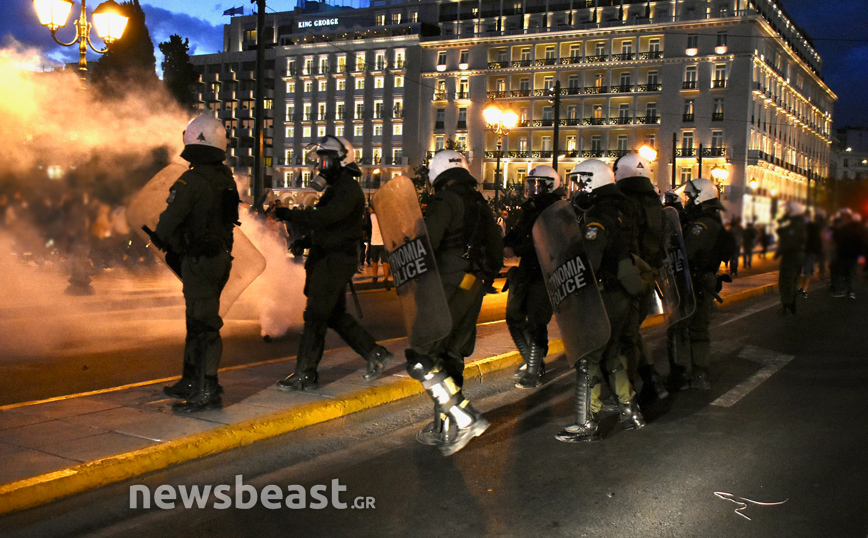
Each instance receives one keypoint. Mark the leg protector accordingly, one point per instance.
(522, 343)
(631, 416)
(205, 398)
(446, 394)
(310, 351)
(586, 427)
(532, 377)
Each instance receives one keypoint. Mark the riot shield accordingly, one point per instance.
(675, 277)
(570, 281)
(411, 259)
(145, 209)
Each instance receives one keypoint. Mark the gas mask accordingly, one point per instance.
(327, 169)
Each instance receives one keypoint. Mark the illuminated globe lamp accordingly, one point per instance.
(500, 122)
(107, 20)
(719, 174)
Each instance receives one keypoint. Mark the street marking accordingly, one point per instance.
(772, 362)
(742, 502)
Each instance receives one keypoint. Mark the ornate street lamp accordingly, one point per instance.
(500, 122)
(719, 174)
(107, 21)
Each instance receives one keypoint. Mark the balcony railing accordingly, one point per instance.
(595, 121)
(650, 55)
(520, 93)
(440, 95)
(596, 58)
(498, 65)
(685, 152)
(687, 117)
(623, 57)
(717, 116)
(621, 120)
(545, 61)
(648, 87)
(522, 63)
(714, 152)
(688, 85)
(462, 95)
(647, 120)
(622, 88)
(718, 83)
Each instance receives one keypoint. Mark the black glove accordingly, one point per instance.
(283, 213)
(720, 280)
(298, 247)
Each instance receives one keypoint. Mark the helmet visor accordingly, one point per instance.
(535, 185)
(579, 182)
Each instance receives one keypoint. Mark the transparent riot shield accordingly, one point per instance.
(570, 281)
(411, 260)
(676, 274)
(145, 209)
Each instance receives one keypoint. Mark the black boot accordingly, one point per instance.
(434, 434)
(206, 398)
(298, 381)
(631, 416)
(652, 386)
(310, 351)
(699, 379)
(523, 346)
(586, 428)
(532, 377)
(186, 386)
(377, 359)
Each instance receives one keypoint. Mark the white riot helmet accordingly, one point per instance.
(331, 154)
(795, 209)
(541, 179)
(206, 131)
(631, 165)
(444, 160)
(590, 175)
(700, 190)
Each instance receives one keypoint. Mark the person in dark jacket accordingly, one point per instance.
(792, 238)
(528, 309)
(749, 239)
(450, 218)
(704, 256)
(607, 234)
(849, 240)
(813, 252)
(335, 232)
(196, 227)
(633, 177)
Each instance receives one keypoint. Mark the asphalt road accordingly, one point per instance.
(776, 448)
(138, 335)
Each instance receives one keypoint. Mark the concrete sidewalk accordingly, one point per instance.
(67, 445)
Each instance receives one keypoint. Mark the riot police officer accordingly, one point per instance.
(704, 240)
(792, 241)
(607, 234)
(528, 309)
(451, 218)
(632, 174)
(196, 231)
(335, 231)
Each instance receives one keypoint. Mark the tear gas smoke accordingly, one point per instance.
(278, 292)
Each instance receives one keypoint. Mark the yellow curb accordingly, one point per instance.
(766, 289)
(31, 492)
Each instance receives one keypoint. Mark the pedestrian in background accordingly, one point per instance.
(749, 239)
(813, 253)
(764, 241)
(737, 233)
(377, 251)
(792, 240)
(849, 240)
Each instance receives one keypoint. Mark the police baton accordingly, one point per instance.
(356, 300)
(711, 291)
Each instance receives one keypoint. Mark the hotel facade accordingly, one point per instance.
(724, 85)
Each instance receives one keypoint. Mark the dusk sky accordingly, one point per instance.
(836, 28)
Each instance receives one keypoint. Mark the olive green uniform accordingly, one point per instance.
(197, 226)
(701, 232)
(607, 234)
(792, 240)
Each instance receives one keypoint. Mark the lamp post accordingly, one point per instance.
(107, 20)
(500, 122)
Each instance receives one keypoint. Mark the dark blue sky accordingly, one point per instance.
(837, 28)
